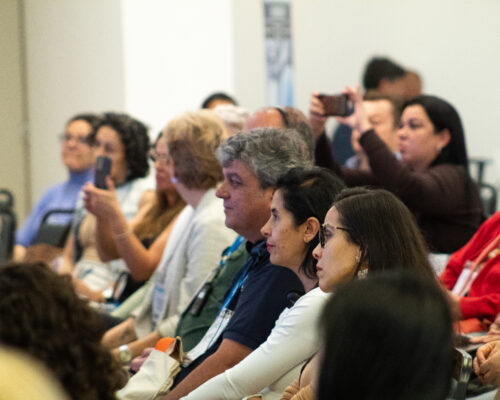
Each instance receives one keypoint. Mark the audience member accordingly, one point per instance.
(41, 315)
(432, 179)
(198, 236)
(234, 117)
(252, 163)
(384, 113)
(299, 204)
(216, 99)
(77, 156)
(386, 337)
(140, 242)
(472, 276)
(285, 118)
(487, 363)
(126, 142)
(351, 248)
(380, 74)
(24, 378)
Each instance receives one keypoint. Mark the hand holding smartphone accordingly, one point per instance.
(336, 105)
(102, 169)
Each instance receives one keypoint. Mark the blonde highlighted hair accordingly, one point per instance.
(192, 138)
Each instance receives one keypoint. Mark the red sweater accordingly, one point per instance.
(483, 299)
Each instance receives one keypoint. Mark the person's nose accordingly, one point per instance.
(317, 252)
(266, 232)
(222, 191)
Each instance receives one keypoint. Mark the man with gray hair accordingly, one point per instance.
(252, 163)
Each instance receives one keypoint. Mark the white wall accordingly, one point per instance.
(12, 169)
(155, 58)
(176, 53)
(454, 45)
(74, 64)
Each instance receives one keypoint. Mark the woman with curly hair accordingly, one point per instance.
(41, 315)
(125, 141)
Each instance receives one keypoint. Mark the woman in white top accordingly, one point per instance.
(197, 239)
(299, 203)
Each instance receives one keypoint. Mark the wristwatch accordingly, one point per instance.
(125, 354)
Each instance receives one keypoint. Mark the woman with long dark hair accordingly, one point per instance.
(432, 177)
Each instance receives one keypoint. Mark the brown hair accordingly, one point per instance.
(41, 314)
(192, 138)
(158, 216)
(397, 105)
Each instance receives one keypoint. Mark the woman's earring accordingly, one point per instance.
(173, 179)
(362, 273)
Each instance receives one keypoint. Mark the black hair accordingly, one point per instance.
(218, 96)
(92, 119)
(444, 116)
(309, 193)
(386, 337)
(384, 229)
(134, 136)
(379, 68)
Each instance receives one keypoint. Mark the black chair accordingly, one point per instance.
(7, 225)
(489, 196)
(54, 234)
(461, 373)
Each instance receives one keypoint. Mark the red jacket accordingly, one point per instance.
(483, 299)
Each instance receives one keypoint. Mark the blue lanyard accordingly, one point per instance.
(237, 286)
(231, 250)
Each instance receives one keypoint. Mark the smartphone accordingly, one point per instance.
(102, 170)
(338, 105)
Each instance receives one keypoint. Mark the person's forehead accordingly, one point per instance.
(380, 106)
(268, 118)
(242, 170)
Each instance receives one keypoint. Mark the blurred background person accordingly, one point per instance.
(77, 156)
(432, 177)
(125, 141)
(141, 241)
(403, 325)
(217, 99)
(234, 117)
(41, 315)
(381, 74)
(25, 378)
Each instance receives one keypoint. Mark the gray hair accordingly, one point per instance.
(270, 152)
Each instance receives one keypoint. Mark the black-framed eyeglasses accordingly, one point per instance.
(162, 158)
(325, 234)
(67, 137)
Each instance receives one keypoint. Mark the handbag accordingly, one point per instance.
(156, 376)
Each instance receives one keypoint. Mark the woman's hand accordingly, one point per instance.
(317, 119)
(487, 363)
(358, 119)
(102, 203)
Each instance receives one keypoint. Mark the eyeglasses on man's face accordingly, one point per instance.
(67, 137)
(326, 233)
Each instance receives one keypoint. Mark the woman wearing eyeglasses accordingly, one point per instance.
(298, 206)
(365, 232)
(125, 141)
(77, 156)
(141, 241)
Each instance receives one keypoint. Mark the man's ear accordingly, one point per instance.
(311, 228)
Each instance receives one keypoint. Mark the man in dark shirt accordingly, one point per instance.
(252, 163)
